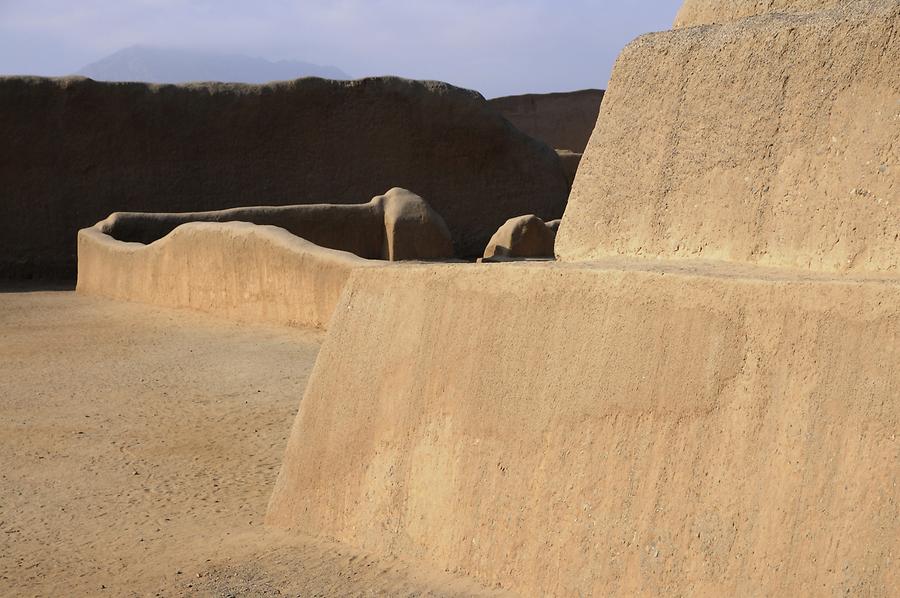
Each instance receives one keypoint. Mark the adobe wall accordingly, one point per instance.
(617, 428)
(354, 228)
(709, 12)
(561, 120)
(769, 141)
(76, 150)
(235, 269)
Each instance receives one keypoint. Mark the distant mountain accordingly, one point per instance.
(163, 65)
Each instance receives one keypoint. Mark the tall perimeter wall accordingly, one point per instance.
(75, 150)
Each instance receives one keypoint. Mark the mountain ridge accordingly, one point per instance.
(173, 65)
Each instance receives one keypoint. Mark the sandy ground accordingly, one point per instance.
(139, 447)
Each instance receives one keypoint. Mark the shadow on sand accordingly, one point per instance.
(35, 286)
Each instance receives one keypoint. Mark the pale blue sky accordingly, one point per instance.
(498, 47)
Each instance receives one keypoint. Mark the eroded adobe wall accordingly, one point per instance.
(770, 141)
(618, 428)
(398, 225)
(75, 150)
(235, 269)
(356, 228)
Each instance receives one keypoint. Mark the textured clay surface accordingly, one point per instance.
(709, 12)
(235, 269)
(771, 140)
(75, 150)
(613, 429)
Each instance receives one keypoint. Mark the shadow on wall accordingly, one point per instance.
(564, 121)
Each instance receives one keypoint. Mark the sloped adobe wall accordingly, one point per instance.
(611, 429)
(771, 141)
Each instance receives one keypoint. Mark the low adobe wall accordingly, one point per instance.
(237, 269)
(355, 228)
(398, 225)
(609, 429)
(769, 140)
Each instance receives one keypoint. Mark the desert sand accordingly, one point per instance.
(139, 448)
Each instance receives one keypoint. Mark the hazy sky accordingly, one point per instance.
(498, 47)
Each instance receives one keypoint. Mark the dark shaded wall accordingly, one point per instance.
(75, 150)
(561, 120)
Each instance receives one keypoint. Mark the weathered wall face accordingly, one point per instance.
(772, 141)
(75, 150)
(561, 120)
(235, 269)
(709, 12)
(610, 429)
